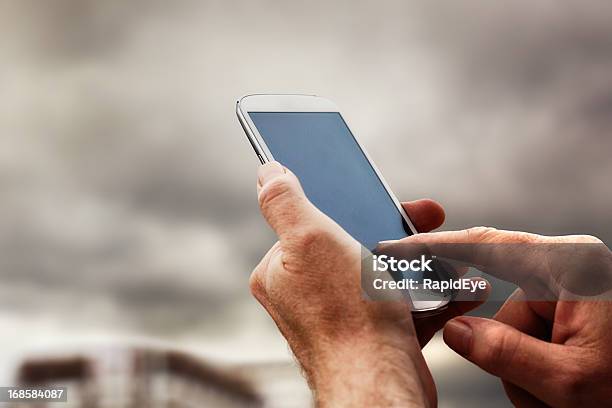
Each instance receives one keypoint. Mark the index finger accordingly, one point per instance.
(503, 254)
(576, 267)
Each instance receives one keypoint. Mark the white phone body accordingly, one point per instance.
(313, 103)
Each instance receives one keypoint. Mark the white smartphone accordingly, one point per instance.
(308, 135)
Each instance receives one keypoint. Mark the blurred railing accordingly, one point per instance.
(136, 378)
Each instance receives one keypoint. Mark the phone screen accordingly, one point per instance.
(335, 174)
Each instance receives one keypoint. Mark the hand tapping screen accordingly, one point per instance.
(335, 174)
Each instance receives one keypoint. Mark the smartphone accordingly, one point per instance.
(308, 135)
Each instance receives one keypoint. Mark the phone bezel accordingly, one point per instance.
(313, 103)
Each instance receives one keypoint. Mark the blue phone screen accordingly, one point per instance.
(335, 174)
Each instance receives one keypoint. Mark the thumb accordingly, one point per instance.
(282, 200)
(510, 354)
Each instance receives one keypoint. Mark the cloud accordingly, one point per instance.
(128, 186)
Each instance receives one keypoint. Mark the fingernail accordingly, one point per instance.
(269, 171)
(458, 336)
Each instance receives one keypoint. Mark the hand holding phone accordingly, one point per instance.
(309, 136)
(309, 284)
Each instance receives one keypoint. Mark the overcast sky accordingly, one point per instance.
(128, 188)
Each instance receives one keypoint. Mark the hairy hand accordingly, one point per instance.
(353, 352)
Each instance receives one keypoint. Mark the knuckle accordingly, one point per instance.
(256, 285)
(525, 238)
(481, 233)
(309, 237)
(503, 348)
(588, 239)
(275, 190)
(493, 235)
(306, 247)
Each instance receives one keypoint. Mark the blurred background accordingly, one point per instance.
(128, 217)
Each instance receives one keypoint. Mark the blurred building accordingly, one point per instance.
(139, 378)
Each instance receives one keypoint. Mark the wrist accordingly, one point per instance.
(367, 371)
